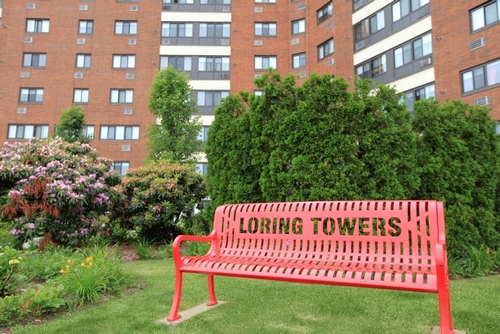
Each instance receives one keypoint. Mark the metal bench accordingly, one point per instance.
(398, 245)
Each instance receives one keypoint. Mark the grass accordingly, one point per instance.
(257, 306)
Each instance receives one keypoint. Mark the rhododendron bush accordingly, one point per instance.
(58, 188)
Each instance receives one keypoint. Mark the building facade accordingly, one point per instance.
(102, 56)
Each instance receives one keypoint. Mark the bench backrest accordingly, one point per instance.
(397, 233)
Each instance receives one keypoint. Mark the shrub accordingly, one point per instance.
(11, 269)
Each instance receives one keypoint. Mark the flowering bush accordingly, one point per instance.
(58, 188)
(157, 196)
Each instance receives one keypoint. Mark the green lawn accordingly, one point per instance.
(256, 306)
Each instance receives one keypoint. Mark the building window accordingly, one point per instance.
(177, 30)
(265, 62)
(122, 96)
(379, 65)
(178, 62)
(88, 131)
(265, 29)
(299, 60)
(485, 15)
(86, 27)
(31, 95)
(83, 60)
(203, 134)
(324, 12)
(265, 1)
(413, 50)
(404, 7)
(213, 64)
(363, 71)
(369, 26)
(325, 49)
(81, 95)
(41, 26)
(178, 1)
(419, 94)
(123, 61)
(215, 30)
(298, 26)
(207, 98)
(481, 76)
(34, 59)
(121, 167)
(201, 168)
(119, 132)
(126, 27)
(215, 2)
(25, 131)
(258, 93)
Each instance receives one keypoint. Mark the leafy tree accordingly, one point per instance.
(58, 188)
(71, 126)
(157, 196)
(175, 135)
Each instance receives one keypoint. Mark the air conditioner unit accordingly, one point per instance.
(482, 101)
(132, 41)
(477, 43)
(258, 42)
(258, 9)
(165, 41)
(125, 148)
(359, 45)
(166, 7)
(78, 75)
(257, 75)
(295, 41)
(134, 8)
(129, 75)
(128, 111)
(83, 7)
(302, 74)
(80, 41)
(25, 74)
(31, 5)
(329, 24)
(28, 39)
(226, 8)
(331, 62)
(21, 110)
(224, 42)
(224, 76)
(426, 62)
(301, 6)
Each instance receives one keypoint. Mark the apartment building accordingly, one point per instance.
(102, 56)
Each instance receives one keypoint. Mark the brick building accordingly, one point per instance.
(102, 56)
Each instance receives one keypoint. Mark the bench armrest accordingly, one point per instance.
(176, 247)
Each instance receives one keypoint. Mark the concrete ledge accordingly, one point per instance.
(189, 313)
(437, 330)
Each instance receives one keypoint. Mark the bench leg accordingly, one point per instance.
(174, 311)
(211, 291)
(445, 311)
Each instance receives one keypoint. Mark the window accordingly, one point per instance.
(215, 30)
(203, 134)
(25, 131)
(121, 167)
(83, 60)
(413, 50)
(265, 29)
(207, 98)
(482, 76)
(404, 7)
(178, 62)
(41, 26)
(119, 132)
(31, 95)
(258, 93)
(265, 62)
(419, 94)
(213, 64)
(201, 168)
(299, 60)
(298, 26)
(86, 27)
(122, 95)
(123, 61)
(34, 59)
(88, 131)
(126, 27)
(177, 30)
(215, 2)
(363, 71)
(379, 65)
(325, 49)
(369, 26)
(81, 95)
(178, 1)
(485, 15)
(324, 12)
(265, 1)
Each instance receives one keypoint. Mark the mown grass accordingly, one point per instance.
(256, 306)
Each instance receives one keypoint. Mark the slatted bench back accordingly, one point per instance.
(394, 241)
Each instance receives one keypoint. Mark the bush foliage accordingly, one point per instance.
(326, 141)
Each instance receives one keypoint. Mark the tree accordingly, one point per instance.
(175, 134)
(71, 126)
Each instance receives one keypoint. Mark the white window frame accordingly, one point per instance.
(86, 25)
(259, 62)
(37, 26)
(131, 26)
(28, 131)
(81, 95)
(124, 61)
(122, 96)
(83, 59)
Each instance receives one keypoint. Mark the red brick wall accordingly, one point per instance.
(57, 78)
(452, 36)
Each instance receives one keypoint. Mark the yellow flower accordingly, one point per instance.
(87, 265)
(70, 261)
(89, 259)
(65, 271)
(14, 261)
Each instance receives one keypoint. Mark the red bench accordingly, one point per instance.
(398, 245)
